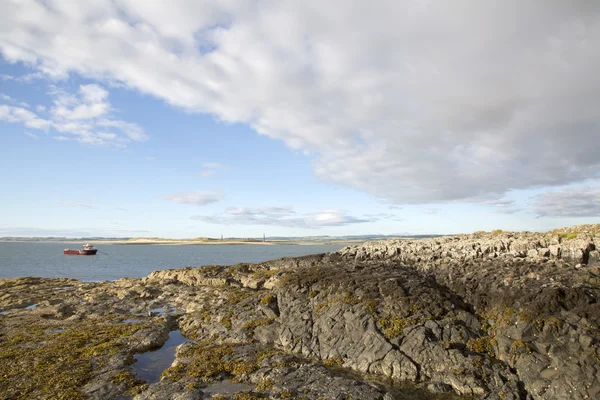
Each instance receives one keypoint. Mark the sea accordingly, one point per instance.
(113, 261)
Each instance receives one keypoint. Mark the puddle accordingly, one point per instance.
(138, 312)
(64, 288)
(226, 388)
(3, 312)
(31, 307)
(132, 321)
(157, 311)
(58, 330)
(399, 390)
(162, 311)
(150, 365)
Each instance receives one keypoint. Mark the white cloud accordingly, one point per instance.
(92, 102)
(333, 218)
(73, 232)
(84, 117)
(571, 202)
(264, 211)
(39, 232)
(499, 203)
(132, 131)
(32, 135)
(431, 211)
(384, 216)
(21, 115)
(507, 210)
(502, 206)
(73, 204)
(213, 165)
(195, 198)
(411, 101)
(282, 216)
(209, 168)
(11, 100)
(28, 78)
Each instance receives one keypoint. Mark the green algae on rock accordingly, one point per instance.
(490, 315)
(39, 364)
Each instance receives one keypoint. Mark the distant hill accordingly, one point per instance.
(348, 237)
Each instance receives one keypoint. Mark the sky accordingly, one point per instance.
(195, 118)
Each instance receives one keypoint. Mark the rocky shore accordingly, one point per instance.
(490, 315)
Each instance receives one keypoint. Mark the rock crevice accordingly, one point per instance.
(490, 315)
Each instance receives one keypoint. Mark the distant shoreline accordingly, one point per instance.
(192, 242)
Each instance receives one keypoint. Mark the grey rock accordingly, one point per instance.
(166, 390)
(489, 315)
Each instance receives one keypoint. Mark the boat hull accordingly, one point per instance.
(73, 252)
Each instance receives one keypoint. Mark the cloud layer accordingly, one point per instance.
(84, 117)
(195, 198)
(412, 101)
(572, 202)
(281, 216)
(73, 204)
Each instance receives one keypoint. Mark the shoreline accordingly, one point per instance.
(190, 242)
(490, 304)
(230, 243)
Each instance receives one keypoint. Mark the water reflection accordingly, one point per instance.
(150, 365)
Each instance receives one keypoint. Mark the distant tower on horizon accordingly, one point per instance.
(264, 238)
(221, 237)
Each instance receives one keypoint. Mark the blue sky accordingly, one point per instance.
(192, 119)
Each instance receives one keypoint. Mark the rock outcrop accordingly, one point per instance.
(489, 315)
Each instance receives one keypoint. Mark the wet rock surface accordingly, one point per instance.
(490, 315)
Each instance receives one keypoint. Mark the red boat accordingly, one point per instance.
(87, 250)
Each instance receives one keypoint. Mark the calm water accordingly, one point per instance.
(151, 364)
(112, 262)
